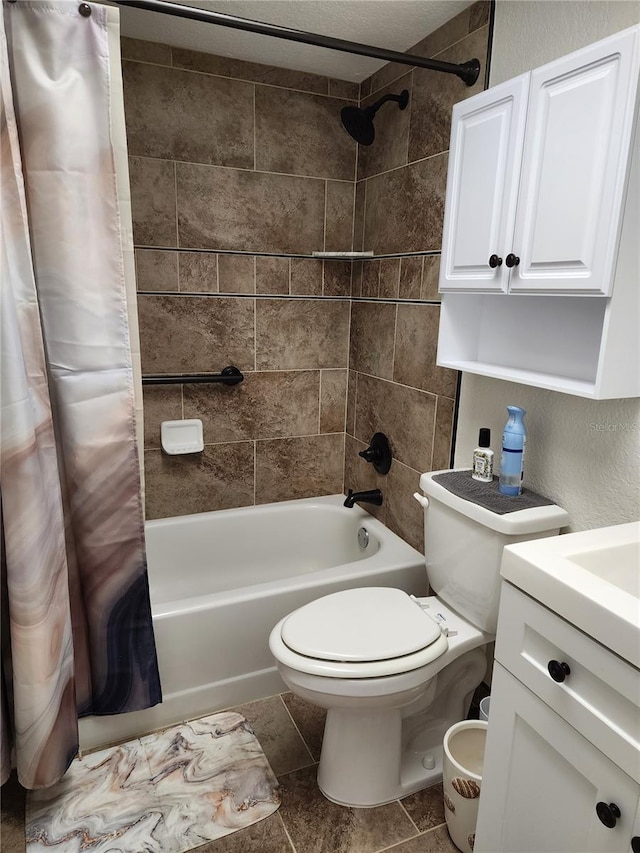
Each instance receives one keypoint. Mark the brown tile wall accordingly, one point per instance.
(229, 160)
(236, 168)
(395, 386)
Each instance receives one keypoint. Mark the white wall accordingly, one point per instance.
(584, 454)
(528, 33)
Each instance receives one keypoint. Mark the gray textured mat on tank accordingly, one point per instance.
(461, 483)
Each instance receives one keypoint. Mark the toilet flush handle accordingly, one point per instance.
(424, 502)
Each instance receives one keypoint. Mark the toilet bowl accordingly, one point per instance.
(380, 660)
(395, 672)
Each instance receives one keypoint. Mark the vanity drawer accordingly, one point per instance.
(599, 696)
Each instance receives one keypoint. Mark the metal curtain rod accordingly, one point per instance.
(467, 71)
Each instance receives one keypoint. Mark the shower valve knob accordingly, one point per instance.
(495, 261)
(378, 453)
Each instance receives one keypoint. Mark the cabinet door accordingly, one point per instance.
(482, 185)
(541, 782)
(574, 170)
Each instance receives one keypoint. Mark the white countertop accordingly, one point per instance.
(590, 578)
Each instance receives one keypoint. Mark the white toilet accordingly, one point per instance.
(395, 672)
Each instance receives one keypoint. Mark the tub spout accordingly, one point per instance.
(371, 496)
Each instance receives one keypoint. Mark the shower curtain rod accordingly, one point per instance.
(467, 71)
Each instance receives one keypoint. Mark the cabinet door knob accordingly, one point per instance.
(495, 261)
(558, 670)
(512, 260)
(635, 844)
(607, 814)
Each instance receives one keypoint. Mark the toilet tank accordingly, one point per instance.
(463, 543)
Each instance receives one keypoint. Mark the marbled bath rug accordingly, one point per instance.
(165, 793)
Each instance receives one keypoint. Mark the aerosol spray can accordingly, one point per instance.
(514, 439)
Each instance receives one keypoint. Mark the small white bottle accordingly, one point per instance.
(483, 458)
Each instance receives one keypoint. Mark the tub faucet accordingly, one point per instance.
(371, 496)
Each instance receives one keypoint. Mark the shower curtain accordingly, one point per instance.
(77, 635)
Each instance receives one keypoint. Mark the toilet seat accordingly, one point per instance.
(358, 633)
(360, 625)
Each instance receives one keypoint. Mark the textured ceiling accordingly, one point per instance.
(394, 24)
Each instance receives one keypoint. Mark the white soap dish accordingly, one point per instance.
(179, 437)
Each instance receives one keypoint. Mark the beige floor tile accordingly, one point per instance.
(267, 836)
(309, 719)
(434, 841)
(426, 807)
(278, 736)
(12, 801)
(316, 825)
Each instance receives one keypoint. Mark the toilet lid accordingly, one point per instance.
(359, 625)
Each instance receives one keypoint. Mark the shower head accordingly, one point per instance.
(359, 122)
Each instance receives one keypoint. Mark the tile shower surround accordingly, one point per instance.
(238, 171)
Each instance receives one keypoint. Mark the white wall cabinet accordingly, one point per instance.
(541, 216)
(578, 143)
(552, 770)
(482, 189)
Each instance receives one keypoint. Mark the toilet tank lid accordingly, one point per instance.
(520, 522)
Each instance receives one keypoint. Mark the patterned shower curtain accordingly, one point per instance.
(76, 630)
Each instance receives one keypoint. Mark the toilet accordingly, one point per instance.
(394, 672)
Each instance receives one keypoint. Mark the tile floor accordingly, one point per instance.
(290, 733)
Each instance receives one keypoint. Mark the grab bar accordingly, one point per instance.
(228, 376)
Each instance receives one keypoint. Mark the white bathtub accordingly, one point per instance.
(221, 580)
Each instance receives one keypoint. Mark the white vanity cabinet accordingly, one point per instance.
(540, 263)
(562, 761)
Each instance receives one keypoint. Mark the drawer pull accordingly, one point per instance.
(512, 260)
(558, 670)
(635, 844)
(607, 814)
(495, 261)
